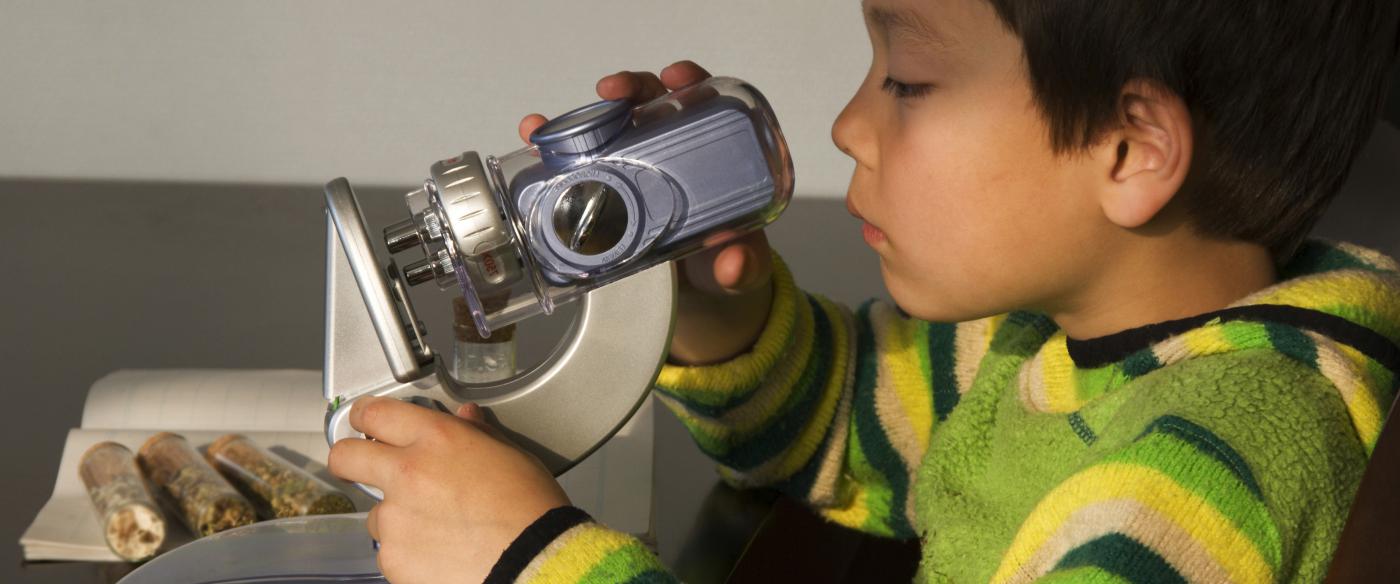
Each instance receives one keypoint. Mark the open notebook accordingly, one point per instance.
(283, 410)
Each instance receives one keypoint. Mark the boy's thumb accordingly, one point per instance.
(472, 413)
(745, 268)
(733, 268)
(477, 416)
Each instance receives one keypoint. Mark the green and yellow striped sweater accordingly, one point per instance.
(1225, 447)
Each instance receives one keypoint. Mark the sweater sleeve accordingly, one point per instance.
(831, 407)
(565, 546)
(1178, 504)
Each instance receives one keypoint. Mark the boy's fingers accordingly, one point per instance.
(389, 420)
(476, 416)
(612, 86)
(755, 263)
(683, 73)
(733, 268)
(636, 86)
(362, 461)
(698, 271)
(528, 124)
(471, 412)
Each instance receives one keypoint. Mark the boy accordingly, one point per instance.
(1153, 377)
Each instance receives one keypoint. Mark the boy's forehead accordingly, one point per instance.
(932, 22)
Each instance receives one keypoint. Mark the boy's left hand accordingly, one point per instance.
(456, 491)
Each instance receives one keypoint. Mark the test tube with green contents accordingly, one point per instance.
(208, 504)
(281, 489)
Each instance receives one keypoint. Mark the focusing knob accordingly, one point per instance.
(461, 194)
(565, 138)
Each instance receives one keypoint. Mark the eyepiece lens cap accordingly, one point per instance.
(583, 129)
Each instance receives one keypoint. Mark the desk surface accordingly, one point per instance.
(687, 537)
(180, 275)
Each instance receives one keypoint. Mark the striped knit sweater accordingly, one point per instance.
(1225, 447)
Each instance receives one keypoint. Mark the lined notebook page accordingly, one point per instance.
(278, 400)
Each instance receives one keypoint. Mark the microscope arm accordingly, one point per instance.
(560, 411)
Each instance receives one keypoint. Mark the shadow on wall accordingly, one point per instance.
(1367, 211)
(1392, 105)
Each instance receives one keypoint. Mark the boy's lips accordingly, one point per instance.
(871, 233)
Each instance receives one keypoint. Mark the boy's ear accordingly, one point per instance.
(1150, 153)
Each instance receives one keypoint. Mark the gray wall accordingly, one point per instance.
(296, 92)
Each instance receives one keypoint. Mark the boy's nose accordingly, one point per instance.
(852, 135)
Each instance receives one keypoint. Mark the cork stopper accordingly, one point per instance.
(222, 442)
(464, 328)
(276, 486)
(153, 442)
(102, 446)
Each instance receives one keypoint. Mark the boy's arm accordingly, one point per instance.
(830, 407)
(565, 546)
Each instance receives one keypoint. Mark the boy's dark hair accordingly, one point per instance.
(1284, 93)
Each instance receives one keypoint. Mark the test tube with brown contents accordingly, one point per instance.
(207, 503)
(282, 489)
(476, 359)
(130, 518)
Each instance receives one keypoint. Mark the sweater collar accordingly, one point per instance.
(1336, 308)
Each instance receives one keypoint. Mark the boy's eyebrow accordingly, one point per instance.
(905, 23)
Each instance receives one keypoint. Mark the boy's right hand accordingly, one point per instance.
(725, 291)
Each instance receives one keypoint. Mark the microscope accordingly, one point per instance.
(594, 211)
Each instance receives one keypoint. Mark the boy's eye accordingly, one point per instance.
(905, 90)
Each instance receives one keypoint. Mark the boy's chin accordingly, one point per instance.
(927, 307)
(942, 315)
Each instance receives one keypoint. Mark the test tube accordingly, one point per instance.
(281, 489)
(476, 359)
(131, 521)
(207, 503)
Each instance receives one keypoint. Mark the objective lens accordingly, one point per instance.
(590, 218)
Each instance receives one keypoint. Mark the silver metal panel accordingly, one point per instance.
(561, 411)
(349, 223)
(569, 405)
(354, 360)
(597, 378)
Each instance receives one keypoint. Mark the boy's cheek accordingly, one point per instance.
(977, 205)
